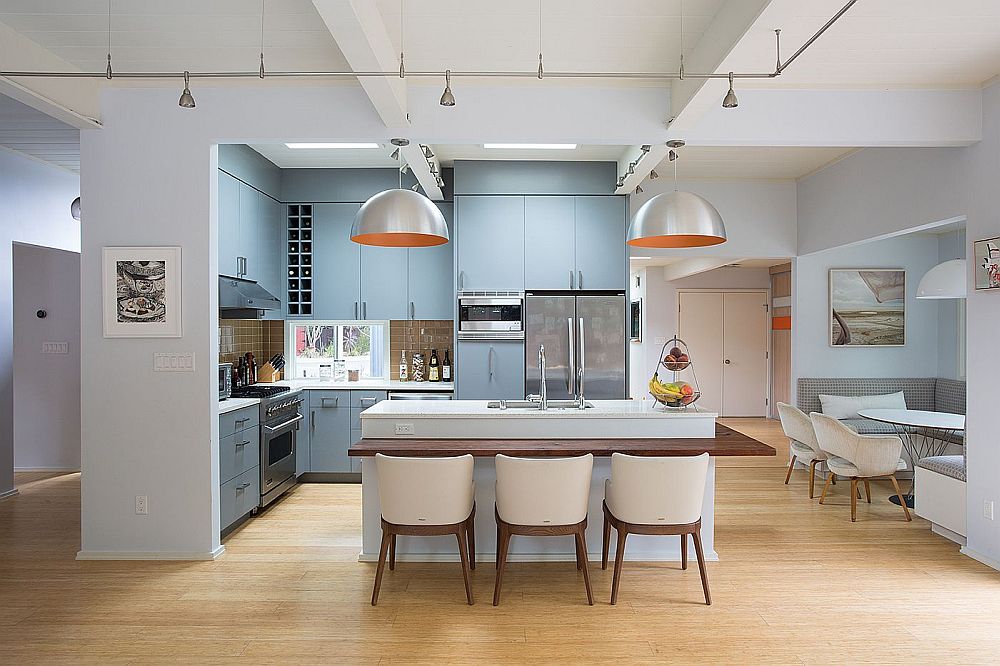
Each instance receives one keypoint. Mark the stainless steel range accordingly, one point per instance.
(280, 416)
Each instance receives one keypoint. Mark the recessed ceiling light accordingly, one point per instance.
(315, 146)
(532, 146)
(641, 258)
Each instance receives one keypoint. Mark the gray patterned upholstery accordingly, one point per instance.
(927, 393)
(950, 466)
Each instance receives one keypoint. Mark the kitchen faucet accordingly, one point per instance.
(581, 368)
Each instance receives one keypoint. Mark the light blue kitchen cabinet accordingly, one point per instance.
(383, 282)
(490, 370)
(600, 242)
(329, 431)
(549, 243)
(336, 262)
(270, 251)
(490, 242)
(249, 238)
(430, 276)
(229, 224)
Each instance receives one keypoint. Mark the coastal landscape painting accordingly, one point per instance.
(867, 307)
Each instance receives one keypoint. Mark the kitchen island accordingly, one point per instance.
(414, 428)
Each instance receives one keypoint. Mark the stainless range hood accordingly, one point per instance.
(244, 299)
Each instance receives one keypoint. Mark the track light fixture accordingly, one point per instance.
(631, 168)
(428, 153)
(621, 180)
(108, 73)
(638, 189)
(261, 71)
(415, 187)
(447, 97)
(730, 101)
(645, 148)
(653, 175)
(187, 99)
(440, 181)
(672, 155)
(404, 169)
(394, 154)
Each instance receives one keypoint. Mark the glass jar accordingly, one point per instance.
(339, 370)
(325, 372)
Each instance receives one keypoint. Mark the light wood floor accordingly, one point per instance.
(797, 583)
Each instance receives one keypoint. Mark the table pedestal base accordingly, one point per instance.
(907, 498)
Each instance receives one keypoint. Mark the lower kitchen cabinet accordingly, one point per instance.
(329, 431)
(239, 465)
(239, 496)
(490, 370)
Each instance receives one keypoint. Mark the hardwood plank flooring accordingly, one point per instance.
(797, 583)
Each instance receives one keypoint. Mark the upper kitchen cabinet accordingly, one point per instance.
(248, 243)
(250, 234)
(229, 225)
(549, 243)
(270, 246)
(490, 242)
(431, 274)
(383, 282)
(600, 243)
(336, 262)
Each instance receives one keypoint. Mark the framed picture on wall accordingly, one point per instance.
(142, 292)
(987, 254)
(867, 307)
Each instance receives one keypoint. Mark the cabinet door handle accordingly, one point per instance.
(312, 421)
(370, 399)
(364, 309)
(461, 279)
(413, 311)
(240, 422)
(355, 309)
(571, 278)
(240, 445)
(243, 486)
(323, 402)
(490, 361)
(579, 282)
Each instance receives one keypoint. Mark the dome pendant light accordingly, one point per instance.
(399, 218)
(187, 99)
(676, 220)
(946, 280)
(447, 97)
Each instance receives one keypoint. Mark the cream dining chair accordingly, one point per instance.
(647, 495)
(859, 458)
(542, 497)
(802, 441)
(426, 497)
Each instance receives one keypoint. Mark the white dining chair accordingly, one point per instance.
(426, 497)
(652, 495)
(859, 458)
(802, 441)
(542, 497)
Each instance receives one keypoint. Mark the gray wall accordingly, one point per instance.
(950, 246)
(34, 208)
(46, 386)
(534, 177)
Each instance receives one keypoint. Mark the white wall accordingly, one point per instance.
(811, 351)
(950, 246)
(46, 386)
(34, 208)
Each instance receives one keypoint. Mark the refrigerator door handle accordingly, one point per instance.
(571, 370)
(583, 362)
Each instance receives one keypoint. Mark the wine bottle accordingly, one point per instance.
(402, 367)
(446, 368)
(434, 367)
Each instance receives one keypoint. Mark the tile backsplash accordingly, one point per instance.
(239, 336)
(420, 335)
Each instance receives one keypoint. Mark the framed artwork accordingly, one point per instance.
(867, 307)
(142, 292)
(987, 254)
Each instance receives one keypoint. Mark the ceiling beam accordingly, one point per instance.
(360, 33)
(684, 268)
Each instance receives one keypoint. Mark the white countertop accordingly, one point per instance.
(367, 385)
(477, 409)
(232, 404)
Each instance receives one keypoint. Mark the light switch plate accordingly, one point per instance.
(55, 347)
(173, 362)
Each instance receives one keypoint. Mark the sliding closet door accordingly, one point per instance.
(700, 322)
(744, 365)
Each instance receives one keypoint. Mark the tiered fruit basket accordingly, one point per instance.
(675, 360)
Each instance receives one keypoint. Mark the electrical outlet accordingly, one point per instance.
(988, 509)
(404, 428)
(141, 506)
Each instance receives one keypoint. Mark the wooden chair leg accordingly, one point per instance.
(470, 532)
(381, 566)
(392, 553)
(812, 477)
(868, 491)
(503, 543)
(581, 547)
(605, 543)
(854, 500)
(791, 465)
(684, 551)
(826, 486)
(463, 552)
(579, 562)
(619, 558)
(497, 563)
(701, 566)
(829, 473)
(899, 494)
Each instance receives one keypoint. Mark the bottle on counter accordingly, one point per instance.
(417, 368)
(241, 372)
(446, 368)
(434, 367)
(403, 371)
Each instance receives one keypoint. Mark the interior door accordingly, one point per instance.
(700, 324)
(744, 366)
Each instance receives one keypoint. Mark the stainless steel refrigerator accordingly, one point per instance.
(576, 330)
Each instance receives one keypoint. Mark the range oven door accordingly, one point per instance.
(277, 457)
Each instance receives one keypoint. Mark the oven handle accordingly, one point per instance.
(284, 425)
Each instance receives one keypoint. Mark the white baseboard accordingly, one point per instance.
(710, 556)
(948, 534)
(8, 493)
(979, 557)
(149, 555)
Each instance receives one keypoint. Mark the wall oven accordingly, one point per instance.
(491, 315)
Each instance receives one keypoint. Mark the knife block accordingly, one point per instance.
(266, 374)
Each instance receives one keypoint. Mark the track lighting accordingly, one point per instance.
(394, 154)
(541, 72)
(428, 153)
(653, 175)
(631, 168)
(433, 168)
(440, 181)
(404, 169)
(187, 99)
(447, 97)
(645, 148)
(638, 189)
(730, 101)
(621, 180)
(672, 155)
(415, 187)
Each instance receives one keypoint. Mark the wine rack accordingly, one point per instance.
(299, 278)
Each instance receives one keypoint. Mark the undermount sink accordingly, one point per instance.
(529, 405)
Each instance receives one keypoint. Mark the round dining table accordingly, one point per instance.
(924, 434)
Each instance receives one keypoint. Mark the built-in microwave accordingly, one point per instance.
(225, 380)
(491, 315)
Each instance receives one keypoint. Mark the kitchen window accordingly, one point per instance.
(362, 346)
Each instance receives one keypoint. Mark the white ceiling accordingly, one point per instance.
(32, 132)
(327, 158)
(764, 162)
(736, 263)
(174, 35)
(448, 154)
